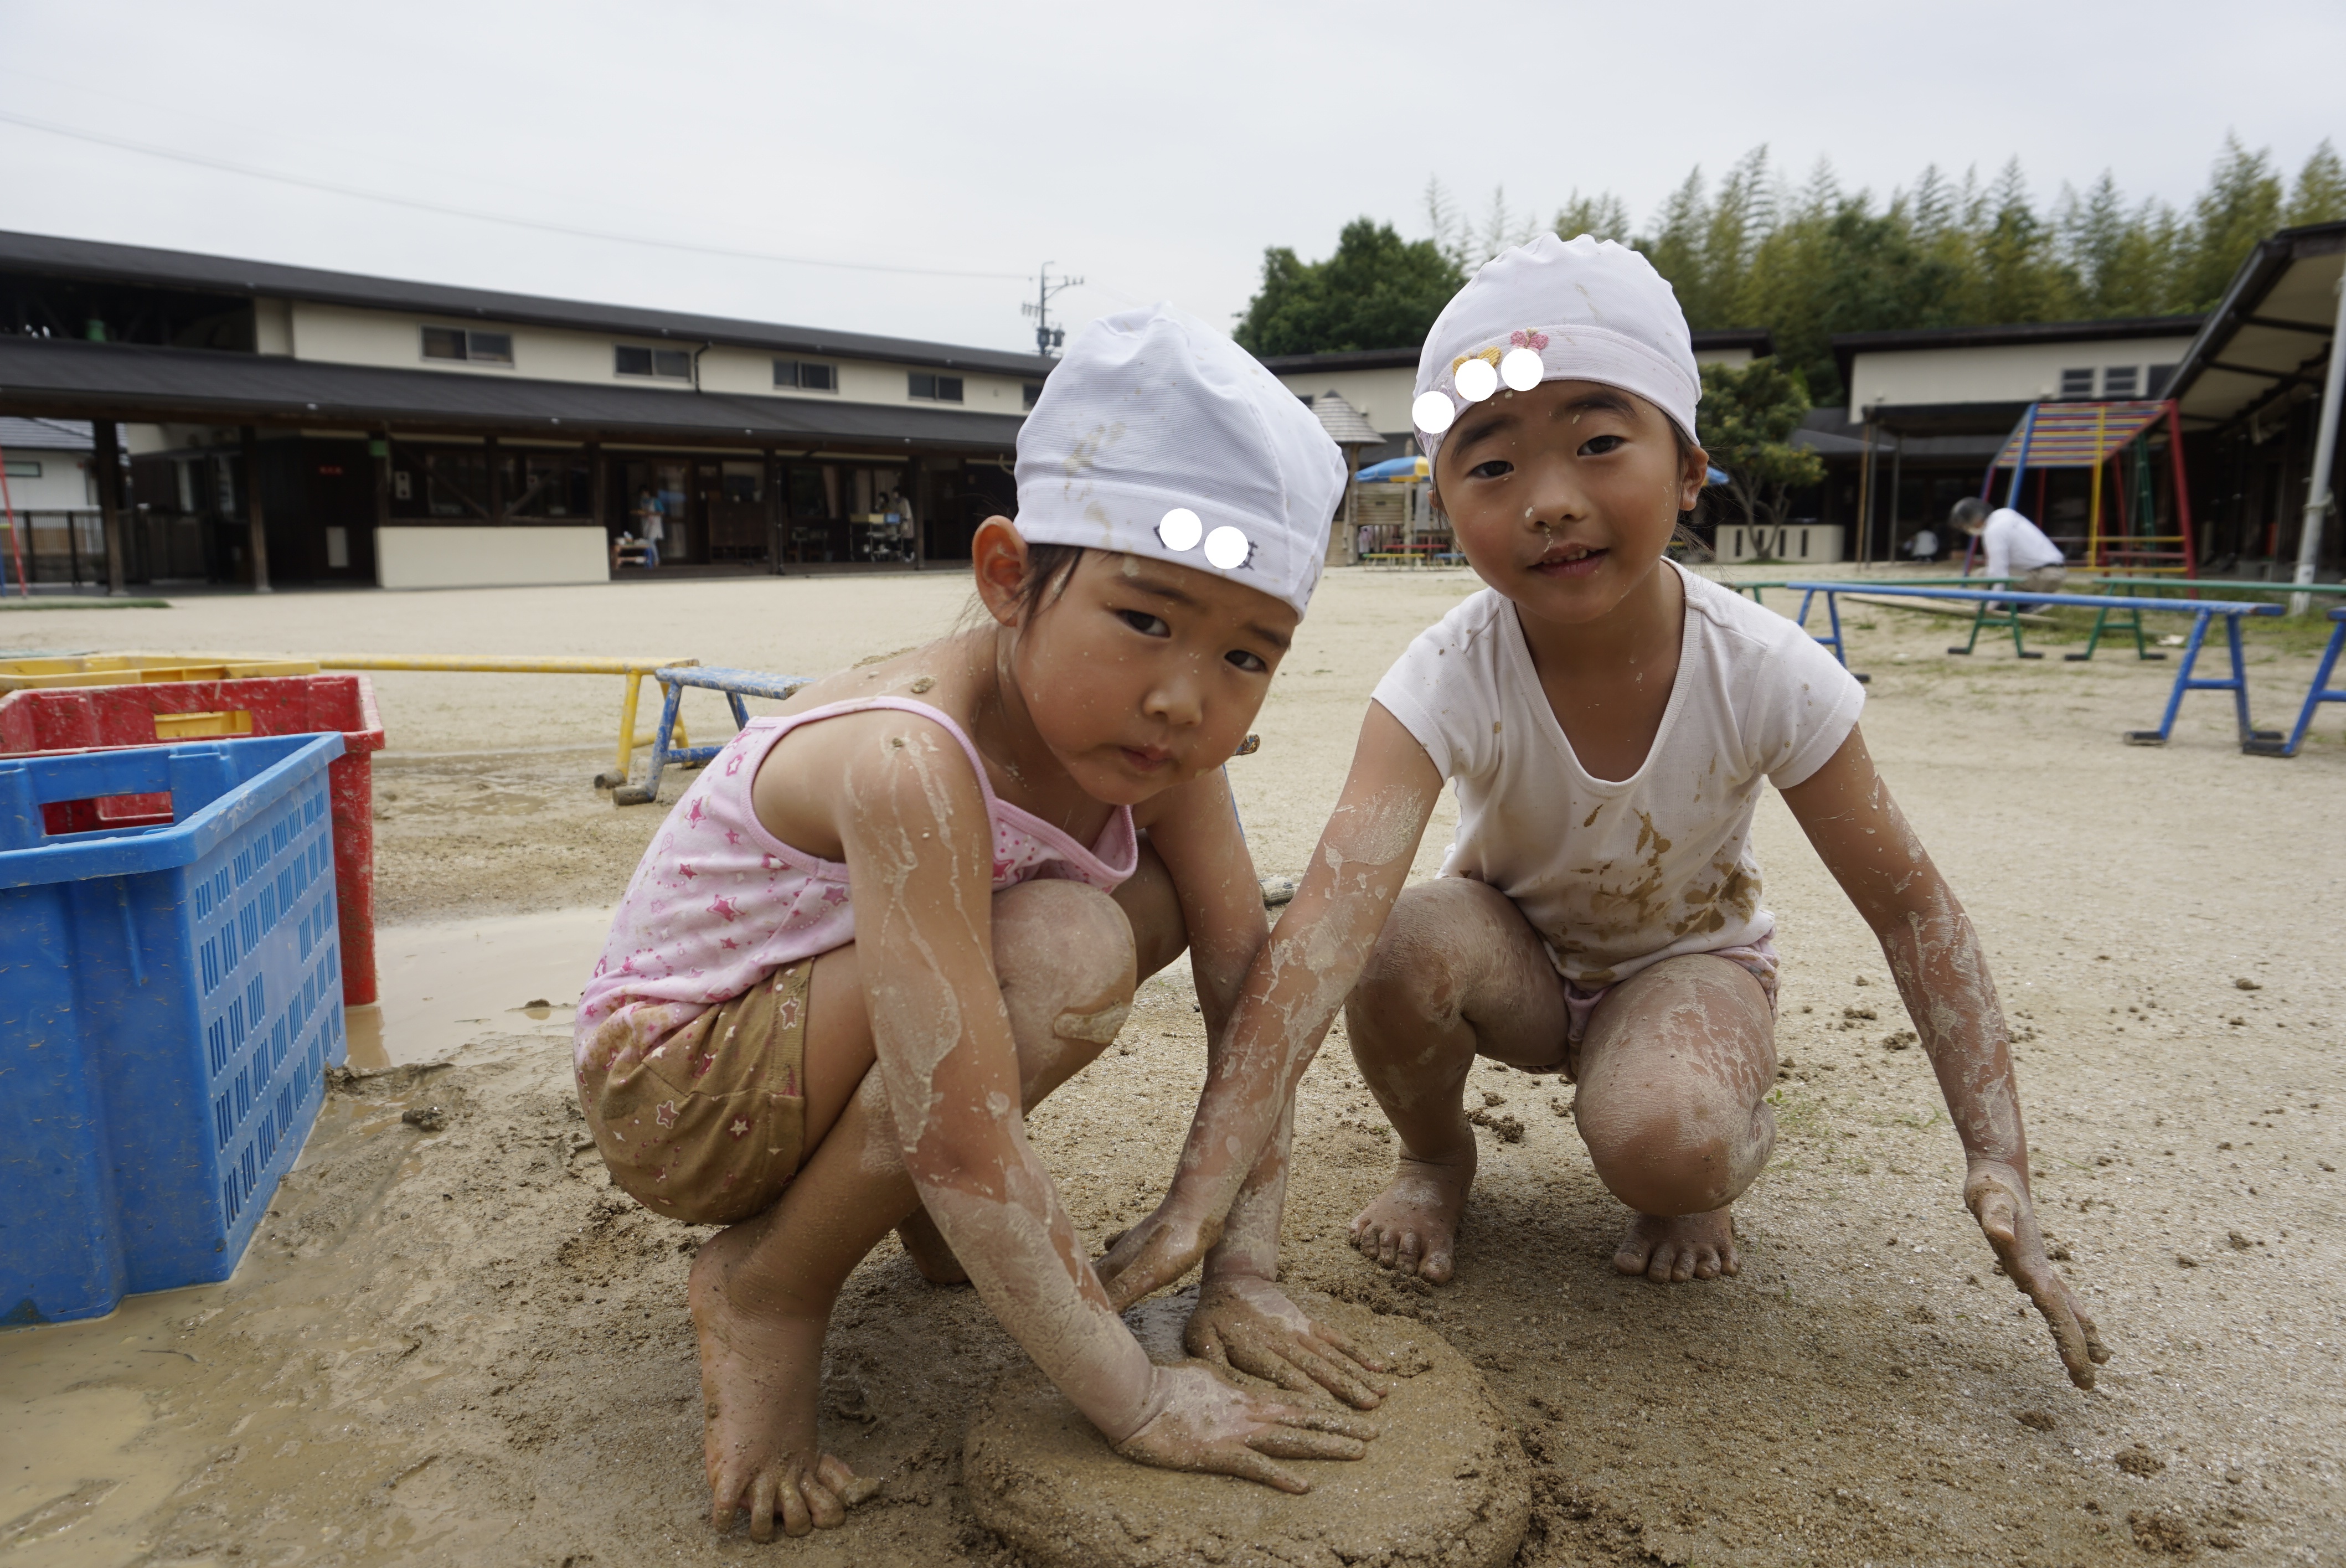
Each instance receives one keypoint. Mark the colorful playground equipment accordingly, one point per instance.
(2202, 612)
(2113, 440)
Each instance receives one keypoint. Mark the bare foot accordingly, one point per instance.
(925, 1245)
(759, 1374)
(1412, 1226)
(1670, 1250)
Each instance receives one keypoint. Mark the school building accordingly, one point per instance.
(288, 424)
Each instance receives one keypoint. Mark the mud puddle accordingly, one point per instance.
(448, 982)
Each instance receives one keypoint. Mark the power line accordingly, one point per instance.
(228, 166)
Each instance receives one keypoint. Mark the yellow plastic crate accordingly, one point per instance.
(124, 670)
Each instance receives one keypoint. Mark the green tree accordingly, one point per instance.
(1377, 291)
(2320, 193)
(1746, 421)
(2241, 206)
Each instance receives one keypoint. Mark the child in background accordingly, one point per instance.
(884, 921)
(1609, 720)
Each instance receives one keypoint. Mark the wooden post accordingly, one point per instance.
(1897, 480)
(773, 492)
(255, 523)
(380, 449)
(496, 481)
(599, 473)
(1865, 495)
(106, 453)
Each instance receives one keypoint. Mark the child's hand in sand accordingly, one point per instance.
(1155, 1252)
(1248, 1323)
(1205, 1424)
(1998, 1199)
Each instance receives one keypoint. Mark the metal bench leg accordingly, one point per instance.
(619, 775)
(2141, 649)
(1839, 644)
(2011, 619)
(2315, 696)
(1800, 620)
(1979, 619)
(646, 792)
(2094, 638)
(2183, 683)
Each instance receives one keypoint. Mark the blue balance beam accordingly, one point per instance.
(2319, 692)
(736, 684)
(2201, 612)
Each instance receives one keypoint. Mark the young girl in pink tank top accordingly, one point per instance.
(882, 923)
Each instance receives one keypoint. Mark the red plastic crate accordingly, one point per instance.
(83, 719)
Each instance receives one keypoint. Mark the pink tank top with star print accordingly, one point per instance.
(718, 902)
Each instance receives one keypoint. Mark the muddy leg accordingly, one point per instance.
(1457, 973)
(1673, 1074)
(762, 1290)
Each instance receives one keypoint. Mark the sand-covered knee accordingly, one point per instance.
(1446, 1484)
(1099, 1027)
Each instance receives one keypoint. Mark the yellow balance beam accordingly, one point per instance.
(632, 669)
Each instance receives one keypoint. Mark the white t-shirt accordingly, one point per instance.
(2015, 546)
(1616, 876)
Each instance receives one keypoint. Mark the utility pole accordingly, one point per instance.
(1047, 338)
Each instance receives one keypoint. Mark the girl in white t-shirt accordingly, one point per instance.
(1608, 721)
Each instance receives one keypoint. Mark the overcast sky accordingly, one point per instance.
(1155, 150)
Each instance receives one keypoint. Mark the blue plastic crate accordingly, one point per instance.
(170, 1000)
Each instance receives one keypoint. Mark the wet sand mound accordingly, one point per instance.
(1446, 1484)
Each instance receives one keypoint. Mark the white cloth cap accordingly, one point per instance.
(1586, 309)
(1159, 436)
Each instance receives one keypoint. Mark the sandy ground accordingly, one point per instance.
(462, 1345)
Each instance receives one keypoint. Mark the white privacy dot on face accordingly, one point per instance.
(1180, 528)
(1522, 368)
(1227, 548)
(1477, 380)
(1431, 412)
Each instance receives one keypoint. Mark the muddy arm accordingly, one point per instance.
(1934, 956)
(918, 844)
(1292, 991)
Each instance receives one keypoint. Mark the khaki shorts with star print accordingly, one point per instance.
(706, 1121)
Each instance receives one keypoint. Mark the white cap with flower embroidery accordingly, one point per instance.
(1556, 309)
(1159, 436)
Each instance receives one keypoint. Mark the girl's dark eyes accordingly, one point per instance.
(1497, 468)
(1252, 663)
(1144, 623)
(1599, 445)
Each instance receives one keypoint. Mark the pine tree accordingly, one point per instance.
(2242, 205)
(2319, 196)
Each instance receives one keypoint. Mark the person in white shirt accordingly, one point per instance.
(2017, 548)
(1924, 544)
(1610, 722)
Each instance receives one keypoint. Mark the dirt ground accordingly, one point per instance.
(462, 1345)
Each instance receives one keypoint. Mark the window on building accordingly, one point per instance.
(2161, 378)
(662, 364)
(23, 468)
(2121, 381)
(2078, 383)
(1030, 391)
(933, 389)
(806, 375)
(471, 347)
